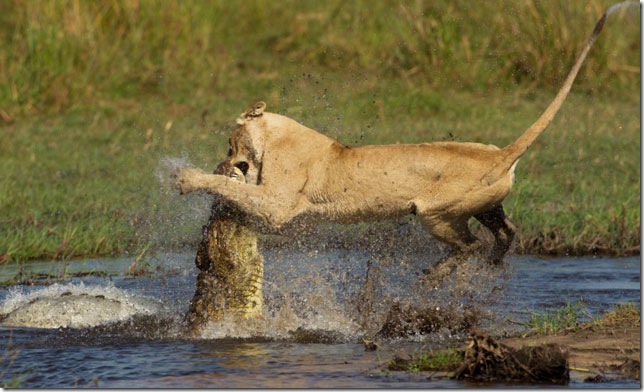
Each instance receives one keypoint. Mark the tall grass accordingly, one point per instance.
(58, 54)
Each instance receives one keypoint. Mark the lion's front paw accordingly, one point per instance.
(186, 179)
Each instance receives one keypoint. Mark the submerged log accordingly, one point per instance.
(488, 360)
(230, 268)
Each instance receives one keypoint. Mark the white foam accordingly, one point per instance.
(277, 322)
(276, 326)
(73, 305)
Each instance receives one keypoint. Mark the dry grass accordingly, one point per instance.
(623, 316)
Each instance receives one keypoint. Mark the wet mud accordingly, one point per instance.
(597, 352)
(487, 360)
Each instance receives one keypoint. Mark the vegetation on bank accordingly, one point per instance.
(94, 96)
(446, 361)
(626, 314)
(556, 321)
(575, 316)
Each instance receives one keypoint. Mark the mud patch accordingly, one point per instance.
(603, 350)
(486, 360)
(630, 369)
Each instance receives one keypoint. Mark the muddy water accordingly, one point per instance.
(327, 294)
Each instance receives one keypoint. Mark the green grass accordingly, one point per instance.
(442, 360)
(94, 94)
(446, 361)
(566, 318)
(56, 55)
(575, 315)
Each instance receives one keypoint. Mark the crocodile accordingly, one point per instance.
(231, 268)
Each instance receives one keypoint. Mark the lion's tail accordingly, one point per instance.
(514, 151)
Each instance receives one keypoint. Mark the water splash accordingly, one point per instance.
(73, 306)
(324, 292)
(166, 167)
(312, 286)
(175, 220)
(310, 296)
(307, 303)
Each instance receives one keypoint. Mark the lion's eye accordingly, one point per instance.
(243, 166)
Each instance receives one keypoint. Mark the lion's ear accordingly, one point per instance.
(257, 109)
(254, 111)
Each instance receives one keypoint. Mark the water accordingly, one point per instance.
(315, 291)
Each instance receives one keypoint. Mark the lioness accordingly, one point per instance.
(295, 172)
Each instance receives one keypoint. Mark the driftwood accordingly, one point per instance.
(487, 360)
(230, 266)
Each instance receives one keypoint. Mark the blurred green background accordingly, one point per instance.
(96, 95)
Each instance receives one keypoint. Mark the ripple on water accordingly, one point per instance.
(304, 291)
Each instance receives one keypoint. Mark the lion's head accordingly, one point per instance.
(247, 145)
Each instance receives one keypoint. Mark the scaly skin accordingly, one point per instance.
(230, 269)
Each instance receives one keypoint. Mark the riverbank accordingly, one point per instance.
(599, 351)
(596, 354)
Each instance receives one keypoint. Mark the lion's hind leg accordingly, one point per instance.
(502, 229)
(454, 232)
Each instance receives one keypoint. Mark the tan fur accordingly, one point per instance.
(295, 172)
